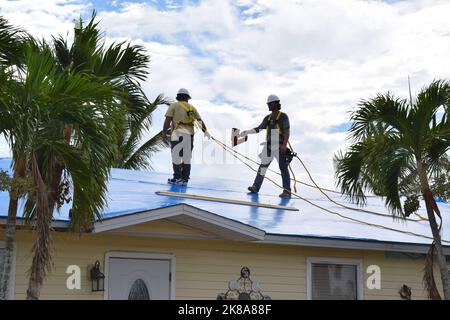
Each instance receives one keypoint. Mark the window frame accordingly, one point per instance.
(12, 276)
(329, 260)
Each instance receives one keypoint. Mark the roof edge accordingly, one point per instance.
(356, 244)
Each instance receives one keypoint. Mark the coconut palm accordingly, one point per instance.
(393, 142)
(12, 43)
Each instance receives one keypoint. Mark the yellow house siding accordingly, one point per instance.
(204, 267)
(395, 273)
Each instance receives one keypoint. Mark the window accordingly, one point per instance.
(334, 279)
(139, 291)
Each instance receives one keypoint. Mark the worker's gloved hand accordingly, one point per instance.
(207, 135)
(243, 134)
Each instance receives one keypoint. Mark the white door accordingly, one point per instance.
(138, 279)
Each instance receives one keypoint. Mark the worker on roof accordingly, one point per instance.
(181, 117)
(277, 138)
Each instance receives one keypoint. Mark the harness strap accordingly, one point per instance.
(276, 121)
(189, 111)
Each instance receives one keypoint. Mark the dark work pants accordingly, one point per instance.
(182, 156)
(266, 159)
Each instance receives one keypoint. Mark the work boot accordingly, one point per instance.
(172, 181)
(253, 189)
(285, 194)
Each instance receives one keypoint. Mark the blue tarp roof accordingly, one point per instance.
(134, 191)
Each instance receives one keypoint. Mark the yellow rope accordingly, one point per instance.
(226, 148)
(295, 180)
(321, 189)
(293, 174)
(343, 205)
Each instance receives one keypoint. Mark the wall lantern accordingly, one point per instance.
(97, 278)
(243, 289)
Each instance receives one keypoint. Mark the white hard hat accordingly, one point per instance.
(184, 91)
(272, 98)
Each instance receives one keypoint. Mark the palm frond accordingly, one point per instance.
(141, 157)
(12, 43)
(62, 52)
(423, 115)
(380, 114)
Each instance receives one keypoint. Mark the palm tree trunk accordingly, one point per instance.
(42, 247)
(10, 233)
(428, 196)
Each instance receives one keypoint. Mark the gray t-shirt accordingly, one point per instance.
(270, 122)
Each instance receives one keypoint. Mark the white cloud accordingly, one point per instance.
(4, 149)
(44, 17)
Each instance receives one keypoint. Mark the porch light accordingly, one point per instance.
(97, 278)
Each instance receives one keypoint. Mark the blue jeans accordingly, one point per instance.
(266, 159)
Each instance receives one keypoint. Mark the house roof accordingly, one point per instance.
(133, 193)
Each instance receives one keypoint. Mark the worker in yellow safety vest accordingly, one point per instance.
(181, 117)
(277, 138)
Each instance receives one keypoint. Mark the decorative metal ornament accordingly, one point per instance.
(243, 289)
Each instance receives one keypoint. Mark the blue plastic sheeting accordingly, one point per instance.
(134, 191)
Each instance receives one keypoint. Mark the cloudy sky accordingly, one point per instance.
(319, 56)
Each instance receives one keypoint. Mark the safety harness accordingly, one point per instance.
(277, 126)
(290, 154)
(190, 113)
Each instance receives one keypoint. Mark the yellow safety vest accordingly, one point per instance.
(190, 113)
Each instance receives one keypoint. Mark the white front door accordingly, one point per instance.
(138, 279)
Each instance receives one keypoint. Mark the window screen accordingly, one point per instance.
(334, 281)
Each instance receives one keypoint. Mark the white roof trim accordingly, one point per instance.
(187, 215)
(56, 224)
(220, 227)
(357, 244)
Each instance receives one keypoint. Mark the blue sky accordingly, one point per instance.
(162, 5)
(320, 57)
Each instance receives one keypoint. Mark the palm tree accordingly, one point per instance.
(52, 168)
(45, 99)
(12, 43)
(394, 141)
(122, 66)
